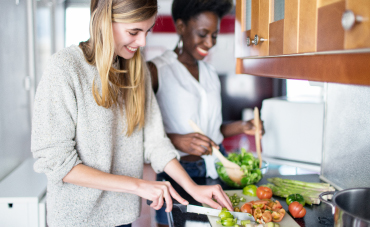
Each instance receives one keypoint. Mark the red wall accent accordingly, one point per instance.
(164, 24)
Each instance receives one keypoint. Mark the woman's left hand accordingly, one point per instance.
(206, 194)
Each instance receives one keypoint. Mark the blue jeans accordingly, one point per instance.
(128, 225)
(194, 169)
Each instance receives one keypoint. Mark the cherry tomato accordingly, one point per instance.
(246, 208)
(297, 210)
(264, 192)
(267, 216)
(277, 215)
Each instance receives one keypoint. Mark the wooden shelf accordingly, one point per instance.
(347, 68)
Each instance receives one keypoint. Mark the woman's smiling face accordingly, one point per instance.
(128, 37)
(199, 35)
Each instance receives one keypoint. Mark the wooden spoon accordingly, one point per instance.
(257, 134)
(233, 170)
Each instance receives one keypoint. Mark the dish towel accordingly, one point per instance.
(209, 160)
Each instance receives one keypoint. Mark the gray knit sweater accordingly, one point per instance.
(69, 128)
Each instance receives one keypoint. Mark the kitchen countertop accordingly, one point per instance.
(316, 216)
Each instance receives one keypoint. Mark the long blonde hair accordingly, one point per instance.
(128, 81)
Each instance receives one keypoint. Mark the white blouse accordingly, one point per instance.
(182, 98)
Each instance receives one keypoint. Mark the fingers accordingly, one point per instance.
(205, 194)
(167, 197)
(161, 193)
(157, 202)
(249, 127)
(164, 193)
(177, 196)
(222, 198)
(202, 144)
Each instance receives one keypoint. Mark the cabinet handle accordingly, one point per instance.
(248, 41)
(349, 19)
(256, 40)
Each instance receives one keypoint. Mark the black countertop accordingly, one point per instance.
(316, 216)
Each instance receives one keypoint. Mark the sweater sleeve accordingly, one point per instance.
(158, 149)
(54, 122)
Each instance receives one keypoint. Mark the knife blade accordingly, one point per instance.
(208, 211)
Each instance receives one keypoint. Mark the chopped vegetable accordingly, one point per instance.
(309, 191)
(224, 214)
(277, 215)
(244, 222)
(295, 197)
(248, 164)
(246, 208)
(266, 216)
(228, 222)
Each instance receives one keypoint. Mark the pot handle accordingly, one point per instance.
(326, 201)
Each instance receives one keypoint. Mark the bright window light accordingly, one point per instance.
(304, 88)
(77, 25)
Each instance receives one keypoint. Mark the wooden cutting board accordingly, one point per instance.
(287, 221)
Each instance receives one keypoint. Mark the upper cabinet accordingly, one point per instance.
(318, 40)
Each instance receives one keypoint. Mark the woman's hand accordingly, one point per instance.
(249, 128)
(206, 194)
(239, 127)
(158, 192)
(192, 143)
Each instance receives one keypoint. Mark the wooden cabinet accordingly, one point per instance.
(318, 40)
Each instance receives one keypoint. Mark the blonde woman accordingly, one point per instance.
(96, 120)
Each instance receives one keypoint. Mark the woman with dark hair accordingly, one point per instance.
(96, 121)
(188, 88)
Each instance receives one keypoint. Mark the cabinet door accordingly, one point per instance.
(242, 28)
(330, 34)
(358, 35)
(261, 18)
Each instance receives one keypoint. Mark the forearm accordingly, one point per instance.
(178, 174)
(85, 176)
(232, 129)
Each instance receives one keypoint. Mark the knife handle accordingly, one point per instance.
(178, 205)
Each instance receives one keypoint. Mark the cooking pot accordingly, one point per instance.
(351, 207)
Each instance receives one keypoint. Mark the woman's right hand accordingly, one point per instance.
(158, 192)
(192, 143)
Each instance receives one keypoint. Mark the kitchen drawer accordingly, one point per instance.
(22, 195)
(18, 214)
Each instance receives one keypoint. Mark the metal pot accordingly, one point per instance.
(351, 207)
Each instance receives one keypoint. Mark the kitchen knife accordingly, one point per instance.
(208, 211)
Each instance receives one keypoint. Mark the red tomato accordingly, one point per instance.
(277, 215)
(246, 208)
(297, 210)
(257, 213)
(259, 203)
(264, 192)
(266, 216)
(273, 205)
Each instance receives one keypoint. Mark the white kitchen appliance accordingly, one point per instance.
(294, 129)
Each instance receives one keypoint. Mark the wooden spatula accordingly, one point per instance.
(233, 170)
(257, 134)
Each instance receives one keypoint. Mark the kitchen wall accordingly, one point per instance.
(30, 32)
(346, 150)
(15, 123)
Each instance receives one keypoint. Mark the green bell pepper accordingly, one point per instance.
(224, 214)
(295, 197)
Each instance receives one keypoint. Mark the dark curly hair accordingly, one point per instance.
(187, 9)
